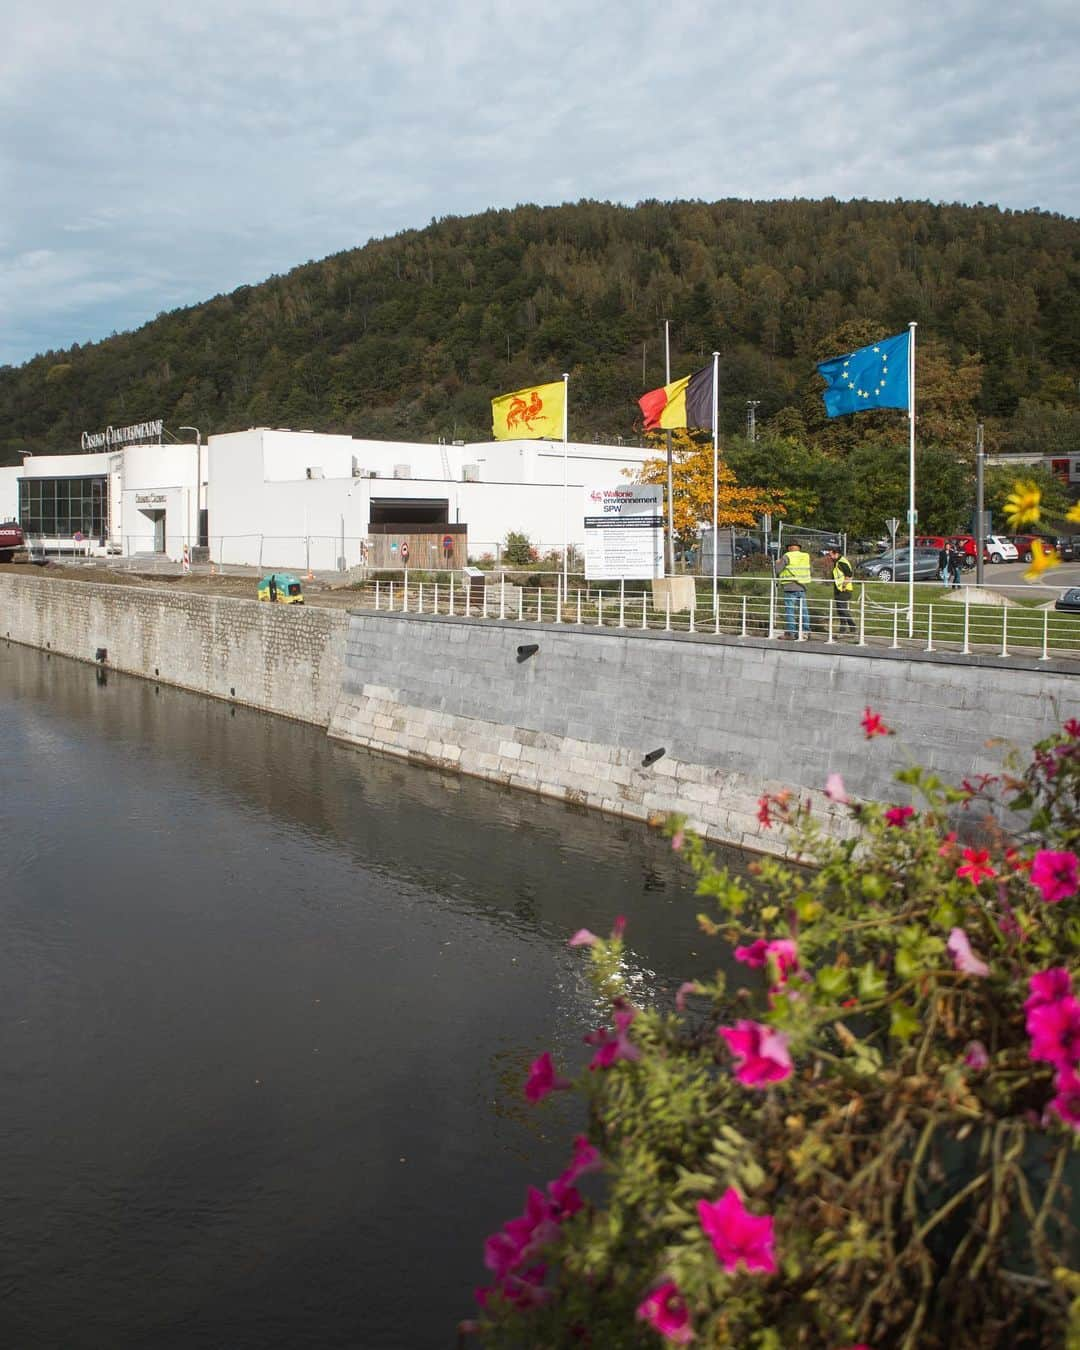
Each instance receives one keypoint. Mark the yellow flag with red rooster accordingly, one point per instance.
(530, 414)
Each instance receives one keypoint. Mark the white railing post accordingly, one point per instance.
(772, 611)
(644, 609)
(930, 627)
(391, 604)
(667, 612)
(966, 649)
(539, 604)
(420, 597)
(578, 619)
(521, 604)
(829, 636)
(502, 596)
(405, 594)
(600, 609)
(622, 602)
(743, 633)
(716, 616)
(451, 607)
(862, 617)
(435, 607)
(1004, 631)
(1046, 636)
(483, 603)
(895, 624)
(558, 600)
(377, 592)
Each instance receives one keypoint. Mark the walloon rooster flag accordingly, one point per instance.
(683, 403)
(529, 414)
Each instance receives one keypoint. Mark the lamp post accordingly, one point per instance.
(198, 483)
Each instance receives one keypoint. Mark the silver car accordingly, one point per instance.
(890, 566)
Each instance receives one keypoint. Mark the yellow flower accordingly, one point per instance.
(1073, 514)
(1022, 504)
(1042, 559)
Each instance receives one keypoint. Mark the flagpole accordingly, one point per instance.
(565, 538)
(670, 560)
(715, 472)
(911, 480)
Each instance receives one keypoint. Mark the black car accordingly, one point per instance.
(1069, 600)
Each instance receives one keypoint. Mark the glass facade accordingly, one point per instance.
(64, 507)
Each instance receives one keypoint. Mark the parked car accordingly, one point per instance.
(894, 566)
(11, 540)
(999, 549)
(1064, 545)
(1069, 600)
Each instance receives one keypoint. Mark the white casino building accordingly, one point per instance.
(293, 499)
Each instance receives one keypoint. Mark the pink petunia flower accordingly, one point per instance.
(1054, 1029)
(754, 955)
(585, 1159)
(835, 790)
(543, 1079)
(1056, 875)
(763, 813)
(535, 1228)
(976, 1056)
(947, 844)
(872, 725)
(783, 954)
(898, 816)
(618, 928)
(677, 840)
(583, 938)
(612, 1047)
(1066, 1104)
(687, 987)
(737, 1235)
(1048, 986)
(976, 865)
(565, 1199)
(964, 959)
(760, 1053)
(665, 1311)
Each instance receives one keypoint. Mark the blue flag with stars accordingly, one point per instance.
(872, 377)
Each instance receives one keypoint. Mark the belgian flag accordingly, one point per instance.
(684, 403)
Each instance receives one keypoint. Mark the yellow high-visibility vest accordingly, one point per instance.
(843, 580)
(796, 567)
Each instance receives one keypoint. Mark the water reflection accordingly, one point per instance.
(265, 1005)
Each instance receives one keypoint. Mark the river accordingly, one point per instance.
(266, 1006)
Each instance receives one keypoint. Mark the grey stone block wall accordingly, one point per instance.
(735, 717)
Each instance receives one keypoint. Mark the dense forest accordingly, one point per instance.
(409, 337)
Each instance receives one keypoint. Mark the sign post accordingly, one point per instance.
(892, 525)
(624, 533)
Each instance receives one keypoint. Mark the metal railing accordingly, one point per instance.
(1022, 621)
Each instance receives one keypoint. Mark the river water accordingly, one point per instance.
(266, 1005)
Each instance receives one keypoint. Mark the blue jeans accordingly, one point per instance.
(793, 602)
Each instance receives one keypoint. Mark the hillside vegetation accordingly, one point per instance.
(409, 337)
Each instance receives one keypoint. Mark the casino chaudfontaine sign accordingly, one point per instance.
(138, 431)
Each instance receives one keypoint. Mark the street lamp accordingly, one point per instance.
(198, 483)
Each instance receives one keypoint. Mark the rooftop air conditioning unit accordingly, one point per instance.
(315, 471)
(373, 473)
(402, 471)
(470, 473)
(357, 471)
(459, 442)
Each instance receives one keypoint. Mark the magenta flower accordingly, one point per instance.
(976, 1056)
(618, 928)
(1048, 986)
(583, 938)
(535, 1228)
(677, 840)
(687, 987)
(785, 956)
(543, 1079)
(666, 1312)
(835, 790)
(1054, 1029)
(612, 1047)
(899, 816)
(1066, 1104)
(760, 1053)
(565, 1199)
(737, 1235)
(1056, 875)
(754, 955)
(964, 959)
(526, 1289)
(502, 1253)
(585, 1159)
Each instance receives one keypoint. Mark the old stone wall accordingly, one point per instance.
(285, 659)
(734, 717)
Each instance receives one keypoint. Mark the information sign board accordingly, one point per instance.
(624, 532)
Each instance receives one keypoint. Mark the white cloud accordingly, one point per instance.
(161, 154)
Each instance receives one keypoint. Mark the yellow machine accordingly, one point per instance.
(281, 588)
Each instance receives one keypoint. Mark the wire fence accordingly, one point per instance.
(1011, 621)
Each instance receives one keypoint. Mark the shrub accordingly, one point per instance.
(518, 550)
(870, 1144)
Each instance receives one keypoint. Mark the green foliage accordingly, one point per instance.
(912, 1158)
(410, 336)
(518, 549)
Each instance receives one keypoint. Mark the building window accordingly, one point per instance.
(64, 507)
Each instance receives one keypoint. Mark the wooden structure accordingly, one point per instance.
(427, 547)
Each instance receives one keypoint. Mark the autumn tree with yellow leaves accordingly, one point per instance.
(692, 471)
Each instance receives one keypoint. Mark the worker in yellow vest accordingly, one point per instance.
(842, 588)
(794, 579)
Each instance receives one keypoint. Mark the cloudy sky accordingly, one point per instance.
(153, 155)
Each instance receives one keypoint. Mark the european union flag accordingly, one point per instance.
(872, 377)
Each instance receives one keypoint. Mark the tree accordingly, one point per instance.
(692, 459)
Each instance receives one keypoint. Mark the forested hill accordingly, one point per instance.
(409, 337)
